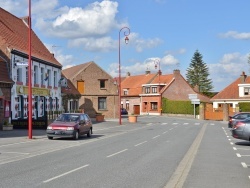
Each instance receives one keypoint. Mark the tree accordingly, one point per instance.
(197, 75)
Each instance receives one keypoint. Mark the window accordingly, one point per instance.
(55, 79)
(127, 105)
(154, 106)
(154, 89)
(35, 74)
(102, 103)
(147, 89)
(246, 91)
(49, 78)
(125, 92)
(27, 76)
(80, 86)
(42, 76)
(19, 75)
(102, 84)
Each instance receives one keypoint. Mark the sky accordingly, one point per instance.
(165, 33)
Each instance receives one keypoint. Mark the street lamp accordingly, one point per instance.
(30, 80)
(126, 34)
(157, 62)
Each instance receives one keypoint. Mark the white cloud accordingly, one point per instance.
(96, 19)
(141, 44)
(235, 35)
(103, 44)
(228, 69)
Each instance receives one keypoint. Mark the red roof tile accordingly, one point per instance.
(14, 35)
(134, 83)
(231, 91)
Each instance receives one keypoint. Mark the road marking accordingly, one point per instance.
(211, 123)
(165, 132)
(231, 143)
(234, 148)
(179, 176)
(141, 143)
(238, 155)
(164, 123)
(155, 136)
(229, 139)
(244, 165)
(242, 149)
(17, 153)
(185, 123)
(171, 129)
(117, 153)
(175, 123)
(66, 173)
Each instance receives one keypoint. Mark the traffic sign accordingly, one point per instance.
(192, 96)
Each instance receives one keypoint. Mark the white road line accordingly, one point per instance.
(245, 155)
(171, 129)
(238, 155)
(165, 132)
(175, 123)
(66, 173)
(234, 148)
(141, 143)
(164, 123)
(243, 149)
(155, 136)
(231, 143)
(117, 153)
(17, 153)
(229, 139)
(244, 165)
(211, 123)
(185, 123)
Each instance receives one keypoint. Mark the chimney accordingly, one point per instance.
(176, 71)
(147, 72)
(160, 73)
(243, 77)
(128, 74)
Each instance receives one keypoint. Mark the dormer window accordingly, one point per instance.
(147, 89)
(154, 89)
(247, 91)
(125, 92)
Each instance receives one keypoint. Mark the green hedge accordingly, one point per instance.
(178, 107)
(244, 106)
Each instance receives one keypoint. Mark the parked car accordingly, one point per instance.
(241, 130)
(237, 117)
(124, 111)
(70, 125)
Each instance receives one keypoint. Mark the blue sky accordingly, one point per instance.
(79, 31)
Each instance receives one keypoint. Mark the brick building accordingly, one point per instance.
(97, 89)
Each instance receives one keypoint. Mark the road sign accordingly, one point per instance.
(195, 102)
(192, 96)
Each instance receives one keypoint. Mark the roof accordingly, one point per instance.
(134, 83)
(14, 35)
(71, 72)
(231, 91)
(4, 76)
(71, 89)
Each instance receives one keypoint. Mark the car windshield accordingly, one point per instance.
(68, 117)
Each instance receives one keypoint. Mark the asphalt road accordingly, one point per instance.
(155, 152)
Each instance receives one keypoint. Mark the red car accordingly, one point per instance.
(70, 125)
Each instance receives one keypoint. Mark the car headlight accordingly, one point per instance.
(70, 128)
(49, 128)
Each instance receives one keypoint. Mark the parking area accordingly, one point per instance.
(241, 149)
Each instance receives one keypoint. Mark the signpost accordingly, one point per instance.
(194, 100)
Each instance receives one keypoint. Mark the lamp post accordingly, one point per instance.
(30, 80)
(126, 34)
(157, 62)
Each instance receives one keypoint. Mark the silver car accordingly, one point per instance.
(241, 130)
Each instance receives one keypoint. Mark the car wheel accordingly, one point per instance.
(76, 135)
(89, 133)
(50, 137)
